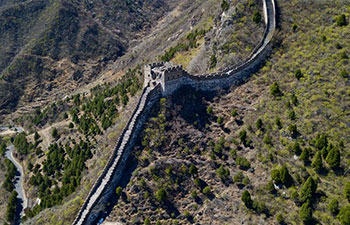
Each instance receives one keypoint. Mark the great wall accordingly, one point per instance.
(163, 79)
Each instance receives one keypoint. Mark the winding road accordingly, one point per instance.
(19, 179)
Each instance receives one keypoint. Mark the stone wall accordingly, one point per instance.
(104, 186)
(172, 79)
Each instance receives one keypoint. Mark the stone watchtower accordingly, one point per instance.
(168, 75)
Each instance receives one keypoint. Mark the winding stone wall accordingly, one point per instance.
(154, 87)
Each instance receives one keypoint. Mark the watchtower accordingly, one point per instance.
(170, 76)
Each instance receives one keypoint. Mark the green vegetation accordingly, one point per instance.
(333, 207)
(10, 176)
(305, 213)
(161, 195)
(341, 20)
(225, 5)
(11, 207)
(257, 17)
(189, 43)
(246, 199)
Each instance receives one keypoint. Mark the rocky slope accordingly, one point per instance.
(58, 45)
(282, 137)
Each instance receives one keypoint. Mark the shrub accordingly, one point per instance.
(275, 90)
(245, 181)
(161, 195)
(292, 115)
(207, 190)
(194, 194)
(293, 130)
(341, 20)
(220, 120)
(243, 163)
(280, 218)
(267, 139)
(36, 136)
(213, 61)
(298, 74)
(238, 178)
(259, 124)
(270, 187)
(119, 191)
(278, 123)
(344, 215)
(193, 169)
(276, 176)
(296, 148)
(243, 136)
(294, 27)
(333, 207)
(234, 113)
(260, 207)
(54, 133)
(223, 172)
(233, 153)
(257, 17)
(344, 74)
(347, 191)
(305, 154)
(246, 199)
(305, 213)
(147, 221)
(225, 5)
(210, 110)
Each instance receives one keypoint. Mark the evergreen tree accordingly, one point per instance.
(246, 198)
(275, 90)
(305, 154)
(344, 215)
(276, 176)
(286, 178)
(259, 124)
(305, 213)
(333, 158)
(347, 191)
(341, 20)
(317, 162)
(333, 207)
(161, 195)
(308, 190)
(193, 170)
(298, 74)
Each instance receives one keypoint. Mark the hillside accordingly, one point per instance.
(204, 151)
(50, 46)
(274, 150)
(88, 123)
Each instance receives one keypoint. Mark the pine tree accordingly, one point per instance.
(347, 191)
(305, 213)
(317, 162)
(344, 215)
(286, 178)
(333, 158)
(333, 207)
(305, 154)
(308, 190)
(247, 200)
